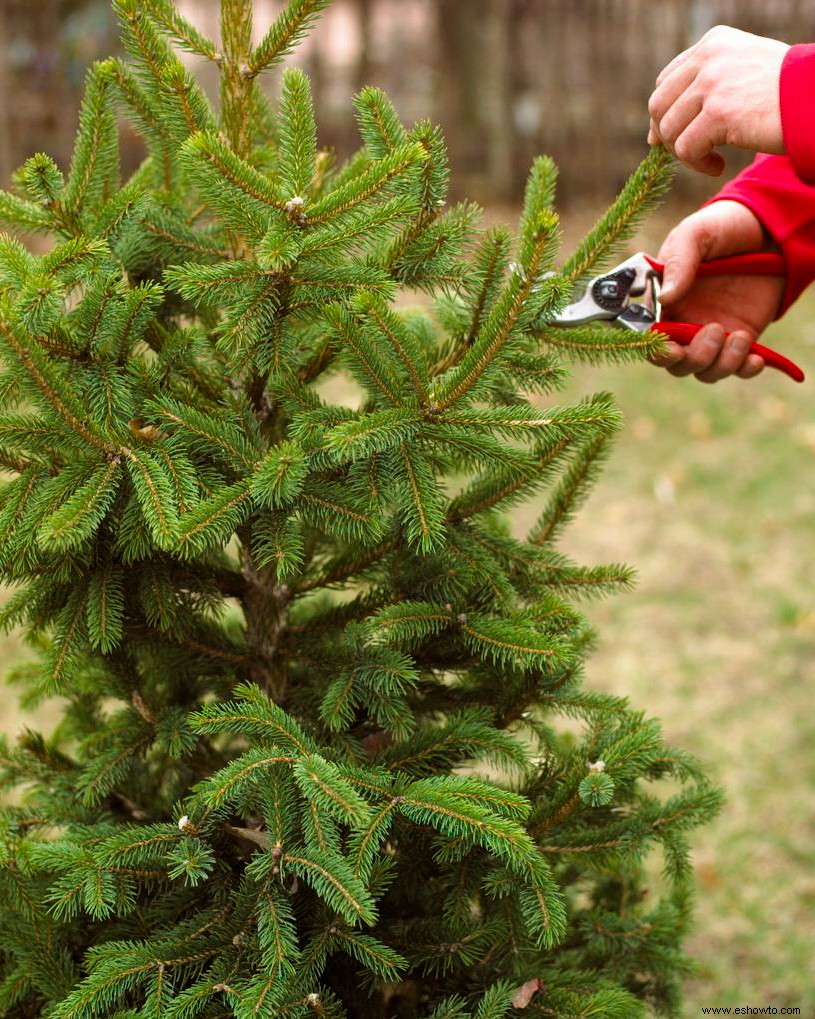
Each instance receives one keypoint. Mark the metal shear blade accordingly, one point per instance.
(608, 297)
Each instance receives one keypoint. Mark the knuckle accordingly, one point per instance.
(683, 149)
(666, 132)
(703, 235)
(706, 78)
(675, 264)
(704, 238)
(707, 351)
(715, 109)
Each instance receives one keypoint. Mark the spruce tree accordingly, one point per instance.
(325, 748)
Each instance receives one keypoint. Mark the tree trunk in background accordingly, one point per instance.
(594, 144)
(41, 118)
(317, 72)
(39, 106)
(6, 166)
(459, 62)
(476, 83)
(496, 80)
(364, 15)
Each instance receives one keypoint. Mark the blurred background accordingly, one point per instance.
(507, 78)
(711, 491)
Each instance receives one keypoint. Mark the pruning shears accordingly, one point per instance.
(608, 297)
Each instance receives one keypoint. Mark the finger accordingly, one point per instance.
(653, 134)
(670, 356)
(672, 65)
(712, 165)
(685, 109)
(665, 95)
(695, 145)
(734, 352)
(753, 365)
(681, 252)
(701, 352)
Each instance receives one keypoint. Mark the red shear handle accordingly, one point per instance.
(753, 263)
(683, 333)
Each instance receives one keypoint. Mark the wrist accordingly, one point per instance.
(735, 228)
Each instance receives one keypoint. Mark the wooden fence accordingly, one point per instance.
(511, 78)
(506, 78)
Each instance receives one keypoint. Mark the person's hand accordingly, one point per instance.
(741, 305)
(724, 90)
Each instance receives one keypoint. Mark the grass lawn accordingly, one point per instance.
(711, 494)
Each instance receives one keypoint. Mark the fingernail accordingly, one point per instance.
(666, 290)
(740, 342)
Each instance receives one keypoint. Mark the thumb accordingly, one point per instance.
(681, 254)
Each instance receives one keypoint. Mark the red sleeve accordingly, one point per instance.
(771, 188)
(796, 94)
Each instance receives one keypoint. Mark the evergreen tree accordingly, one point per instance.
(312, 759)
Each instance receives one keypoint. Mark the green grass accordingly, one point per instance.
(711, 494)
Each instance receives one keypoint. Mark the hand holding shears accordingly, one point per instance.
(609, 297)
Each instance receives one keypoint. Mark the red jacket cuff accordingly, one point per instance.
(785, 206)
(797, 94)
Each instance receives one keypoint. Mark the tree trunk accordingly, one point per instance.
(363, 70)
(5, 111)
